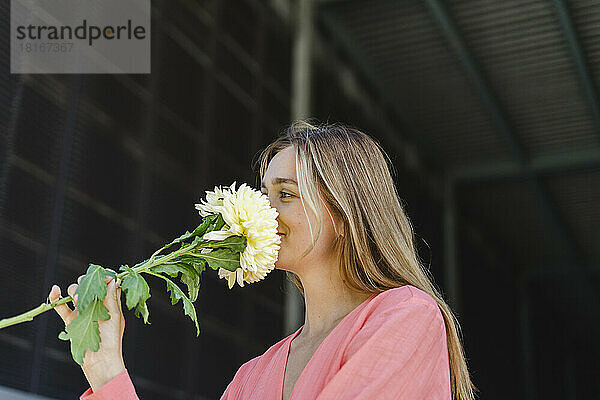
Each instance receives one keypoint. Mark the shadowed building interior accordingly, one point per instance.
(489, 111)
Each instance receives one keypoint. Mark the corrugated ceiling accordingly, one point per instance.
(521, 50)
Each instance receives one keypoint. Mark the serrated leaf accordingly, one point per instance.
(219, 223)
(222, 258)
(176, 295)
(141, 310)
(169, 269)
(188, 259)
(191, 279)
(206, 224)
(92, 287)
(200, 267)
(189, 276)
(135, 287)
(235, 243)
(84, 332)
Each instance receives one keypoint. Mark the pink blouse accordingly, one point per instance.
(392, 346)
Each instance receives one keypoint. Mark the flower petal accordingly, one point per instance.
(240, 277)
(217, 235)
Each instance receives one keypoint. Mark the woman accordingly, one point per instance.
(375, 325)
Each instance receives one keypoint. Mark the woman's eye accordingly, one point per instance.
(284, 195)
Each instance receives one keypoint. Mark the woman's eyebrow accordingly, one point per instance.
(278, 181)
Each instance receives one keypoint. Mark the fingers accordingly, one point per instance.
(54, 294)
(112, 294)
(71, 291)
(119, 297)
(63, 310)
(66, 313)
(73, 287)
(109, 278)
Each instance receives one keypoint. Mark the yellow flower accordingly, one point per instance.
(248, 213)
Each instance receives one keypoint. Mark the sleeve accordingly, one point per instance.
(226, 395)
(399, 353)
(118, 388)
(239, 380)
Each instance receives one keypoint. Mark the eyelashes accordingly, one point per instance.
(281, 193)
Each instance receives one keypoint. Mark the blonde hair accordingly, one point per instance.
(347, 169)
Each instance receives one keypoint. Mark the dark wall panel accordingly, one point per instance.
(129, 130)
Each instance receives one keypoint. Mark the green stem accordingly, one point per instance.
(141, 268)
(28, 316)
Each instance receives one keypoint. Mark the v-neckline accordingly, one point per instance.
(293, 336)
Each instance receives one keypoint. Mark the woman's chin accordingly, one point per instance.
(279, 265)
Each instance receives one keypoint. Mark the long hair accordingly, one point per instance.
(348, 170)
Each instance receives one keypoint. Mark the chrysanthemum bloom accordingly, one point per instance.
(248, 213)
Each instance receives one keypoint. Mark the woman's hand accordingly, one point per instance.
(99, 366)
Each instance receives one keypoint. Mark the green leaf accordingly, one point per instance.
(170, 269)
(176, 295)
(189, 259)
(222, 258)
(200, 230)
(141, 310)
(219, 223)
(84, 332)
(235, 243)
(137, 292)
(189, 275)
(200, 267)
(206, 223)
(191, 279)
(92, 287)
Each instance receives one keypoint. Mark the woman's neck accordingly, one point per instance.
(327, 301)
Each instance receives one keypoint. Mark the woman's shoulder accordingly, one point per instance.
(406, 293)
(394, 316)
(400, 298)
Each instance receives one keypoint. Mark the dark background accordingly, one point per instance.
(488, 110)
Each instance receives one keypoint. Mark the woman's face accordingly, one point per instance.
(280, 185)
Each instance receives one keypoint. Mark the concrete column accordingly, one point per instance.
(451, 273)
(526, 335)
(302, 58)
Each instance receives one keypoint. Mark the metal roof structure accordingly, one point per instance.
(501, 99)
(501, 96)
